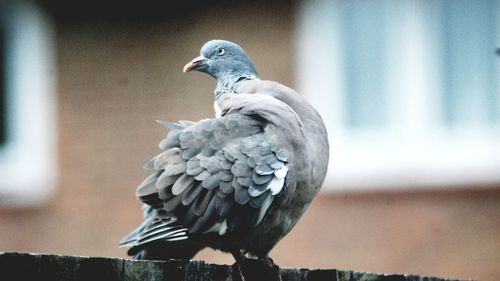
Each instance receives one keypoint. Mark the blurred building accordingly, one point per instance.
(409, 91)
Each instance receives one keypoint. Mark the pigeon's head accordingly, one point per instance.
(225, 61)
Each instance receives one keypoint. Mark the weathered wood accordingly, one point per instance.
(25, 266)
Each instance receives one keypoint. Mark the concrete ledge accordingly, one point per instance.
(28, 266)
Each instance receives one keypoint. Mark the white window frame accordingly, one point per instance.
(28, 160)
(413, 151)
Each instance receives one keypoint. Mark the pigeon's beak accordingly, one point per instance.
(194, 64)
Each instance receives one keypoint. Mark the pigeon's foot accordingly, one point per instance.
(255, 269)
(273, 268)
(238, 265)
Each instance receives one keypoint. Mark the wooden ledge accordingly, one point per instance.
(29, 266)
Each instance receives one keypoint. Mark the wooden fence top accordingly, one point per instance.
(29, 266)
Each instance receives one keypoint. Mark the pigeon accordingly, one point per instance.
(238, 182)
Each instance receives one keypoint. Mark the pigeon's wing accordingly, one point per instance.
(217, 175)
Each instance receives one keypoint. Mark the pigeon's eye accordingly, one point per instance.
(221, 51)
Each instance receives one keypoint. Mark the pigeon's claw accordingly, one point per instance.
(240, 260)
(268, 261)
(262, 268)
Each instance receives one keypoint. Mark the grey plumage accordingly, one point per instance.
(238, 182)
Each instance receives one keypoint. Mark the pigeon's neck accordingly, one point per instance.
(228, 83)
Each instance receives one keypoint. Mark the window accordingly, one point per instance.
(409, 90)
(27, 105)
(3, 106)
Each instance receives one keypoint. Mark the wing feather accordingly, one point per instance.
(215, 175)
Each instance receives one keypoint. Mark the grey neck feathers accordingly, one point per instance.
(227, 83)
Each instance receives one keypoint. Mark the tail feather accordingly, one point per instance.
(159, 237)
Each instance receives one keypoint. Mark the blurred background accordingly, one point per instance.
(409, 91)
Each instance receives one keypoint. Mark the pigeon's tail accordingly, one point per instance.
(159, 237)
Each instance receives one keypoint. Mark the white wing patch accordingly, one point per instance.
(278, 180)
